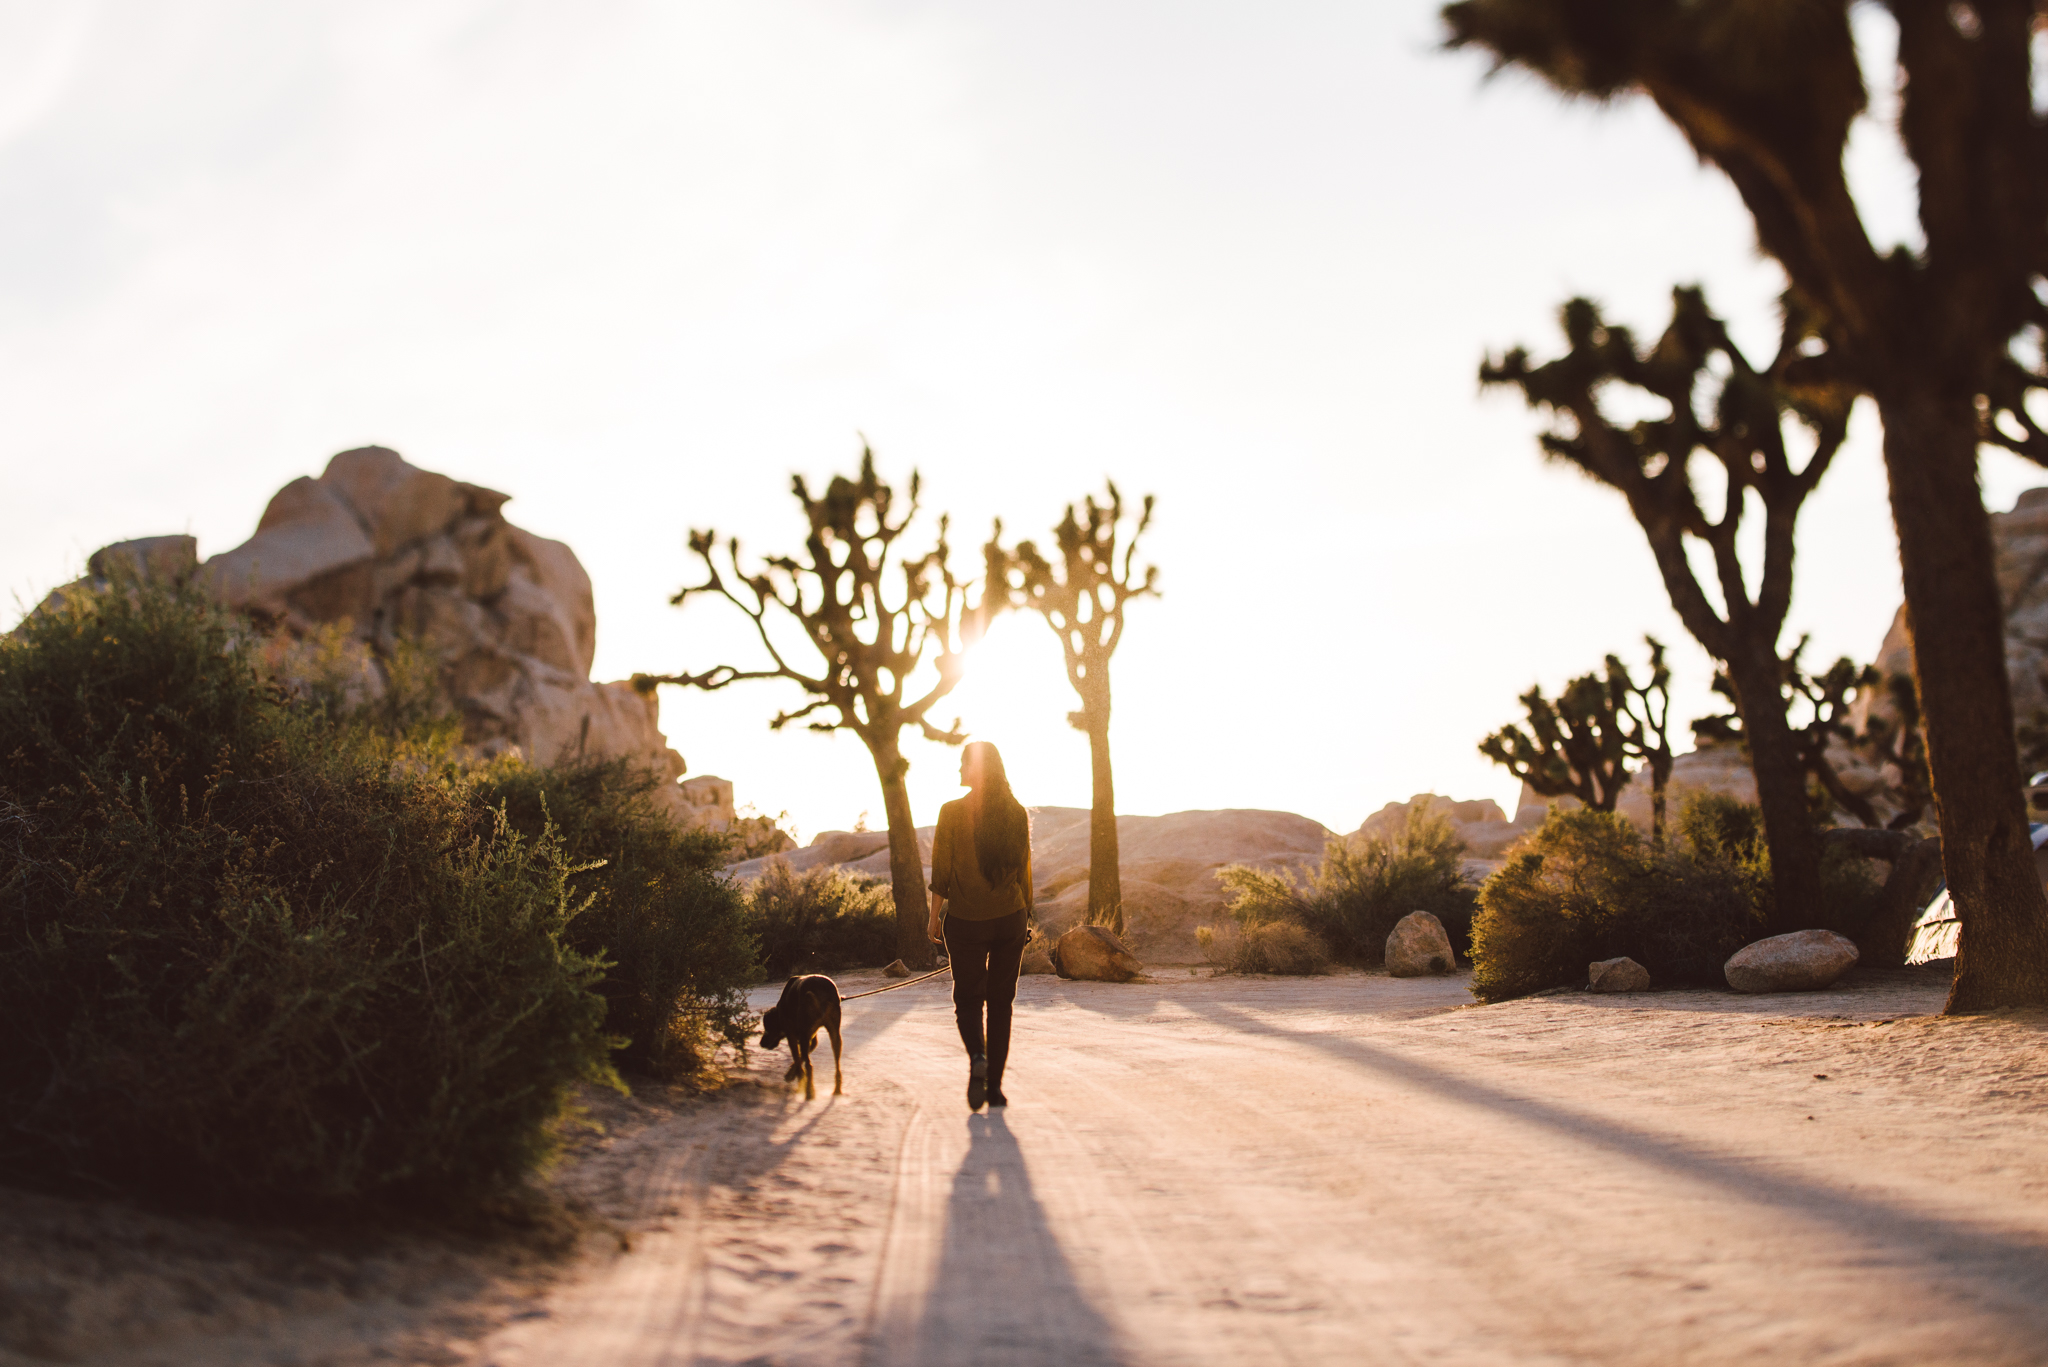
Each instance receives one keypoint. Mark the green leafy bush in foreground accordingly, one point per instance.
(672, 929)
(821, 919)
(1587, 887)
(1363, 886)
(247, 964)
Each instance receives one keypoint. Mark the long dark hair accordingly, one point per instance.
(1002, 828)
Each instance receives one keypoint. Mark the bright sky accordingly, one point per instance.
(637, 263)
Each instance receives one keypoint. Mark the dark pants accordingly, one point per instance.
(986, 956)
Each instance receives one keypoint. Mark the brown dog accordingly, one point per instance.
(810, 1003)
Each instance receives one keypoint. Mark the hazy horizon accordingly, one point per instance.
(636, 264)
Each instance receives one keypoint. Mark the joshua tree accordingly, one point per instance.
(838, 595)
(1580, 745)
(1884, 741)
(1736, 424)
(1644, 713)
(1082, 597)
(1575, 747)
(1769, 93)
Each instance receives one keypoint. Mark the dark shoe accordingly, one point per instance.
(977, 1082)
(996, 1097)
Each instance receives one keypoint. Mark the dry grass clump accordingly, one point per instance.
(1268, 937)
(1272, 947)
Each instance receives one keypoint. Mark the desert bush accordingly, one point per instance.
(671, 929)
(1543, 915)
(1724, 829)
(1363, 886)
(1269, 907)
(1586, 886)
(245, 965)
(822, 918)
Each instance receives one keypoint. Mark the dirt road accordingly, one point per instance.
(1350, 1169)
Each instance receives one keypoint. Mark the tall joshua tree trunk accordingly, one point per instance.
(1780, 788)
(1105, 872)
(906, 866)
(1957, 626)
(1082, 597)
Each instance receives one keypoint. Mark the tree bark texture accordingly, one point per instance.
(1105, 874)
(1957, 626)
(906, 869)
(1780, 791)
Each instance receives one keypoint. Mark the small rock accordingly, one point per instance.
(1093, 954)
(1617, 975)
(1419, 946)
(896, 969)
(1804, 961)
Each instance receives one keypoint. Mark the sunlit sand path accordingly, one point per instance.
(1355, 1169)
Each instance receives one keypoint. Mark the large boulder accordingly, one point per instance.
(353, 570)
(157, 559)
(1804, 961)
(1092, 954)
(1617, 975)
(1479, 822)
(1419, 946)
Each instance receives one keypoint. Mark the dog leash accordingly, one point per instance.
(908, 982)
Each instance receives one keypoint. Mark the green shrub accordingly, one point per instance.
(1734, 832)
(245, 965)
(672, 929)
(1363, 886)
(823, 918)
(1587, 887)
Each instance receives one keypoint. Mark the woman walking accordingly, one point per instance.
(981, 895)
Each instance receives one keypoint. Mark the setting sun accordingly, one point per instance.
(1016, 694)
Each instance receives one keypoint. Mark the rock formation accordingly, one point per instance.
(1804, 961)
(1617, 975)
(1479, 822)
(1419, 946)
(1169, 866)
(377, 556)
(1092, 954)
(2020, 542)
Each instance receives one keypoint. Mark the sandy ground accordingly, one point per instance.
(1342, 1169)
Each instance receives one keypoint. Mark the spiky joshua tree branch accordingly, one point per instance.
(873, 615)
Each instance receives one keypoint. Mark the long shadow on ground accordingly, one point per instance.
(2010, 1263)
(1003, 1292)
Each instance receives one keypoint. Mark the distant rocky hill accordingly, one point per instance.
(377, 552)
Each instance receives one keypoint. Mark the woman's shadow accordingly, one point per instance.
(1004, 1293)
